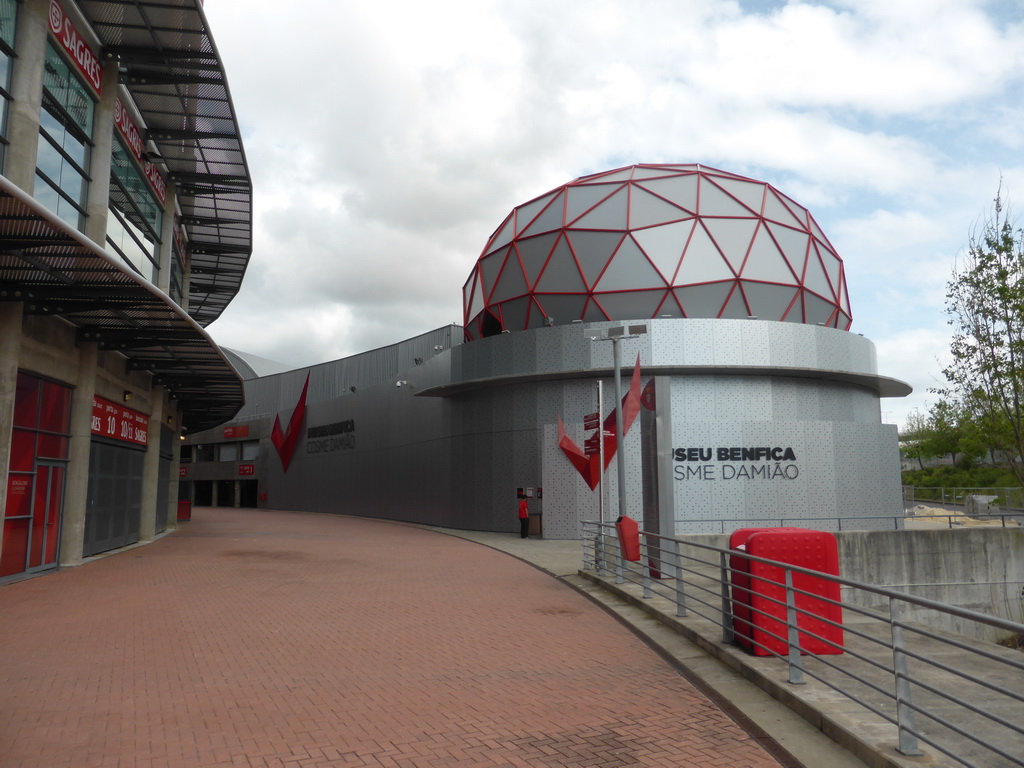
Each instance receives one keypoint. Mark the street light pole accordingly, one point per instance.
(615, 335)
(619, 421)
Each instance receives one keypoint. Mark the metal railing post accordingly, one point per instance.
(645, 556)
(680, 581)
(599, 551)
(619, 564)
(728, 635)
(796, 670)
(906, 721)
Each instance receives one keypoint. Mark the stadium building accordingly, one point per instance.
(125, 229)
(747, 397)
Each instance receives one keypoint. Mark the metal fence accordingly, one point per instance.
(962, 697)
(1004, 519)
(1002, 498)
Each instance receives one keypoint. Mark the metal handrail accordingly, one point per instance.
(1007, 519)
(907, 685)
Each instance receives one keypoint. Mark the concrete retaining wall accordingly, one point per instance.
(980, 569)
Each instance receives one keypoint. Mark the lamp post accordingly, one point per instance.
(615, 335)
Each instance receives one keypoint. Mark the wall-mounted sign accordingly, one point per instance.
(133, 138)
(246, 470)
(80, 52)
(734, 463)
(182, 471)
(241, 430)
(119, 423)
(327, 438)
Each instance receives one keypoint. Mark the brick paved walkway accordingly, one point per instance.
(256, 638)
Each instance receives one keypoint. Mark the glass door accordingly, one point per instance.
(46, 509)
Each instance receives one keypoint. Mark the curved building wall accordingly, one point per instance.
(808, 395)
(749, 421)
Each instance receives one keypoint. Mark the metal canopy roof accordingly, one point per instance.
(171, 67)
(55, 270)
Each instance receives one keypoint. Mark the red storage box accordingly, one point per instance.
(757, 617)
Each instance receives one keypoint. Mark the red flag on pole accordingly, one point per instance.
(588, 466)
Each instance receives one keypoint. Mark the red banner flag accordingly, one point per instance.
(589, 465)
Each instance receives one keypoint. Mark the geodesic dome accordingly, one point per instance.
(652, 241)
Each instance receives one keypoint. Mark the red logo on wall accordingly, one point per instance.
(242, 430)
(119, 423)
(285, 442)
(246, 469)
(81, 53)
(133, 138)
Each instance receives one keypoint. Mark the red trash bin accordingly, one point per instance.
(184, 511)
(629, 538)
(759, 592)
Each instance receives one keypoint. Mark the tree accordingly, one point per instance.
(950, 431)
(985, 304)
(913, 437)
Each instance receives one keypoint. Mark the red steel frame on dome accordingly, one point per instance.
(648, 241)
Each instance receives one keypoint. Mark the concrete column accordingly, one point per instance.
(27, 93)
(97, 205)
(151, 469)
(214, 488)
(173, 486)
(238, 494)
(10, 351)
(186, 284)
(163, 278)
(72, 532)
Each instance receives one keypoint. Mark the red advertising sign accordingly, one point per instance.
(133, 138)
(71, 40)
(182, 471)
(119, 423)
(242, 430)
(246, 469)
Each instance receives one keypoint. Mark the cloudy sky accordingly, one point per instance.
(387, 140)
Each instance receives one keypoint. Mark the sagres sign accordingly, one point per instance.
(733, 463)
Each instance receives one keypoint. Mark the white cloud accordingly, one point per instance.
(387, 140)
(916, 356)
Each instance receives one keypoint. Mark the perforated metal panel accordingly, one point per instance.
(474, 423)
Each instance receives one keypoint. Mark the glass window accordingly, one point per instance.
(8, 19)
(133, 226)
(55, 407)
(42, 418)
(65, 127)
(204, 452)
(228, 452)
(250, 450)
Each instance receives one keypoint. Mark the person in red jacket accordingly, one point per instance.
(524, 518)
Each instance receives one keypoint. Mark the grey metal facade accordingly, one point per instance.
(448, 440)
